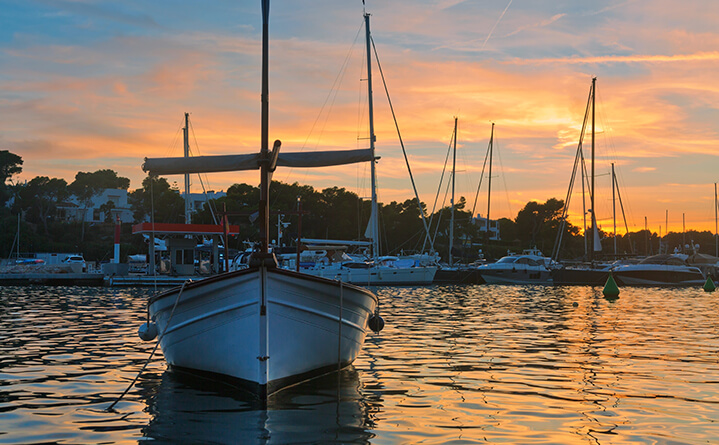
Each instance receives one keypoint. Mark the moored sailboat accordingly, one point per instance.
(374, 270)
(263, 327)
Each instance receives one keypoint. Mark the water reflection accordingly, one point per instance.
(454, 364)
(330, 409)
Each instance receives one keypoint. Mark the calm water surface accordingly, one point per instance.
(454, 364)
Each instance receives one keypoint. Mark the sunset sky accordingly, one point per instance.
(94, 84)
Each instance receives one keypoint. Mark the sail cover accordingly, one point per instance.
(200, 164)
(324, 158)
(226, 163)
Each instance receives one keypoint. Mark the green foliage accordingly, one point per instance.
(88, 185)
(39, 199)
(332, 213)
(10, 164)
(157, 195)
(537, 224)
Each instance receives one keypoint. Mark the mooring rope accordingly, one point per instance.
(109, 408)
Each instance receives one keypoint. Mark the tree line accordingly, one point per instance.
(330, 213)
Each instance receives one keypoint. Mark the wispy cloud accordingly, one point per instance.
(695, 57)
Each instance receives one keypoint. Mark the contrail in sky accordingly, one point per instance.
(497, 23)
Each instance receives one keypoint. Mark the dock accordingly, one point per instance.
(52, 279)
(149, 280)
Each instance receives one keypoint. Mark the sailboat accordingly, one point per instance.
(376, 270)
(590, 274)
(455, 273)
(262, 327)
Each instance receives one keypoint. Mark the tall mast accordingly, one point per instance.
(591, 192)
(489, 185)
(454, 165)
(374, 223)
(614, 210)
(186, 146)
(264, 147)
(716, 223)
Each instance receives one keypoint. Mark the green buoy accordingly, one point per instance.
(610, 288)
(709, 285)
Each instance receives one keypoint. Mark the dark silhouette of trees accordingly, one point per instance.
(39, 199)
(10, 164)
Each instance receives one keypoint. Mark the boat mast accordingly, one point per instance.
(454, 165)
(489, 185)
(264, 147)
(591, 191)
(374, 216)
(716, 223)
(614, 209)
(186, 146)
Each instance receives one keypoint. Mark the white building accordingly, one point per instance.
(74, 210)
(198, 200)
(481, 222)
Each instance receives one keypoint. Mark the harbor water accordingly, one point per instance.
(454, 365)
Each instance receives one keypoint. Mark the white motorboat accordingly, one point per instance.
(386, 271)
(659, 270)
(330, 260)
(517, 269)
(263, 327)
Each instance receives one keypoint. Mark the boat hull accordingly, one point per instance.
(377, 276)
(458, 276)
(658, 276)
(520, 276)
(580, 277)
(265, 327)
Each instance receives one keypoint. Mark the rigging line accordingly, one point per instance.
(462, 152)
(210, 203)
(439, 187)
(404, 152)
(501, 169)
(171, 147)
(481, 177)
(332, 94)
(621, 205)
(607, 134)
(579, 155)
(565, 209)
(439, 217)
(504, 178)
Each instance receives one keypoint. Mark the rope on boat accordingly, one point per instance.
(109, 408)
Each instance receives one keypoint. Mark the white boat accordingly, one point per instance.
(659, 270)
(262, 327)
(517, 269)
(385, 271)
(331, 261)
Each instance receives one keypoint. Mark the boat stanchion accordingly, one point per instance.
(611, 290)
(709, 285)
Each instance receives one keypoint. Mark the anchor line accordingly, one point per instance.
(147, 362)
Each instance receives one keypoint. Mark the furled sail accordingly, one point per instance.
(225, 163)
(324, 158)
